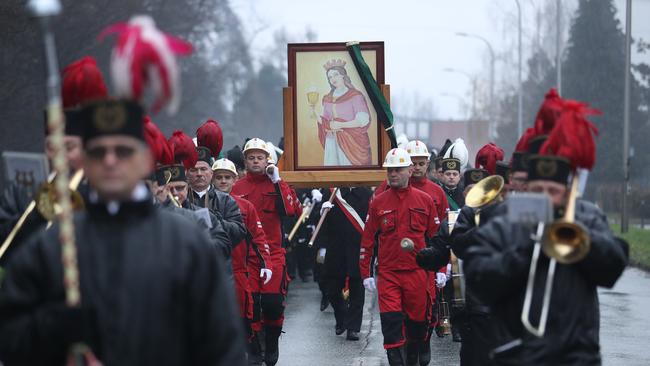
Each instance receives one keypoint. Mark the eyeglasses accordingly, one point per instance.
(121, 152)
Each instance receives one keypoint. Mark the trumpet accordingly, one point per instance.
(565, 241)
(45, 204)
(174, 199)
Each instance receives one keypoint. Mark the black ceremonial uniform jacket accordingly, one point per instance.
(225, 209)
(497, 269)
(152, 293)
(338, 235)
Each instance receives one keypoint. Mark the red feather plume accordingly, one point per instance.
(184, 149)
(573, 135)
(157, 142)
(487, 157)
(522, 144)
(548, 113)
(82, 82)
(210, 135)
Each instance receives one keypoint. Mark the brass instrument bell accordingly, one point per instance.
(484, 193)
(46, 199)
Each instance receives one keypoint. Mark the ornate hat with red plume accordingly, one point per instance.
(184, 149)
(145, 54)
(209, 141)
(82, 82)
(487, 157)
(157, 142)
(569, 146)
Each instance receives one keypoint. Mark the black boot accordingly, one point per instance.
(272, 351)
(412, 352)
(395, 357)
(455, 334)
(255, 356)
(324, 302)
(425, 351)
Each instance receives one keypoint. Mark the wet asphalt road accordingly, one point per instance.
(310, 340)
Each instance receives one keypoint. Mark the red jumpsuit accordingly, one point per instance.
(440, 200)
(270, 201)
(253, 249)
(397, 214)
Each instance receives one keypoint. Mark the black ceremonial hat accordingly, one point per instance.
(450, 164)
(519, 161)
(503, 170)
(473, 176)
(112, 117)
(548, 167)
(170, 173)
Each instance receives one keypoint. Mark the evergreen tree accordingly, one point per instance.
(594, 72)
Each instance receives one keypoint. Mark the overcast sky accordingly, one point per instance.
(419, 36)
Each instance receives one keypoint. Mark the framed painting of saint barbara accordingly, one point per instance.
(335, 126)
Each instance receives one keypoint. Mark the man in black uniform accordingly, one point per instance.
(451, 183)
(203, 194)
(152, 287)
(498, 265)
(339, 240)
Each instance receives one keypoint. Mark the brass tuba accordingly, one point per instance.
(483, 194)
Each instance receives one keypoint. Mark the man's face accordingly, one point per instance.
(556, 191)
(73, 151)
(420, 165)
(518, 181)
(200, 176)
(398, 177)
(114, 165)
(256, 161)
(223, 180)
(178, 190)
(451, 178)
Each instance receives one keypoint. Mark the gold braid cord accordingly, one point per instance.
(66, 233)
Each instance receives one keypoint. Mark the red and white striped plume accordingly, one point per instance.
(144, 55)
(487, 157)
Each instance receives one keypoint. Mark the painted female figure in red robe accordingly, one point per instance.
(343, 125)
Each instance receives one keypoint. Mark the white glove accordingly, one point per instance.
(273, 172)
(265, 272)
(316, 196)
(326, 205)
(441, 279)
(369, 284)
(448, 271)
(320, 259)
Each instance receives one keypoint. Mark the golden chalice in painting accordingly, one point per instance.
(312, 99)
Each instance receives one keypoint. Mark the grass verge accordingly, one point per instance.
(639, 240)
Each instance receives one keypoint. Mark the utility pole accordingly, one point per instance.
(626, 117)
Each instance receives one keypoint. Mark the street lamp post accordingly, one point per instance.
(492, 61)
(520, 125)
(626, 116)
(558, 45)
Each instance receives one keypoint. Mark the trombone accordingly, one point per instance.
(565, 241)
(45, 204)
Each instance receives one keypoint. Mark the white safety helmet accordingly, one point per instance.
(397, 158)
(273, 155)
(417, 148)
(224, 164)
(256, 144)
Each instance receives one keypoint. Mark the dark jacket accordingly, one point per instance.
(225, 209)
(497, 268)
(340, 237)
(152, 293)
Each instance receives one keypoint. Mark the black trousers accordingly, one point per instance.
(478, 339)
(348, 314)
